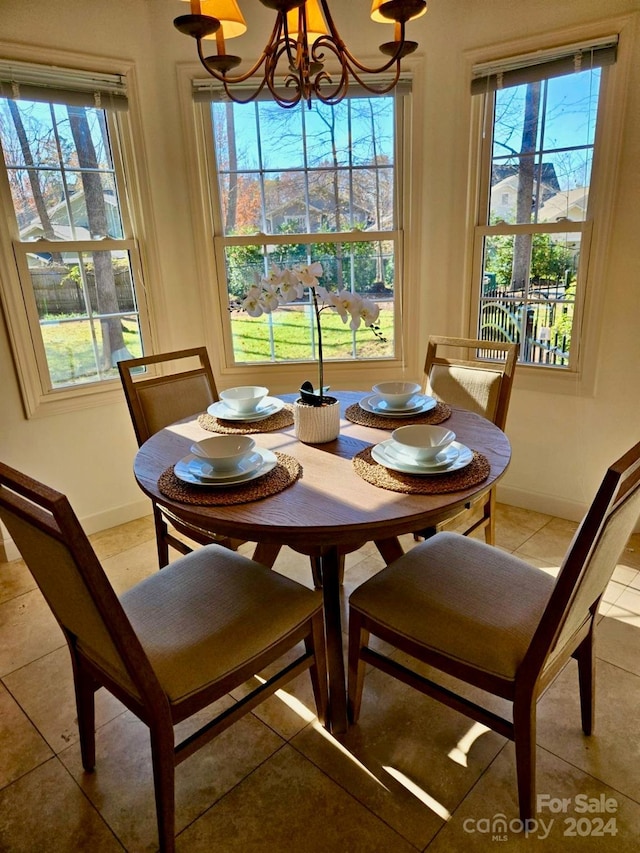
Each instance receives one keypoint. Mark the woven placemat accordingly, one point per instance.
(280, 420)
(286, 472)
(471, 475)
(358, 415)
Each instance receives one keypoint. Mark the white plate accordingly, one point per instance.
(183, 472)
(442, 460)
(380, 454)
(269, 406)
(200, 468)
(421, 404)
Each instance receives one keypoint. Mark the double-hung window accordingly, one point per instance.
(73, 310)
(535, 216)
(299, 186)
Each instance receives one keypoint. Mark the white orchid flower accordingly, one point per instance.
(269, 300)
(308, 273)
(369, 311)
(274, 276)
(290, 288)
(342, 303)
(252, 302)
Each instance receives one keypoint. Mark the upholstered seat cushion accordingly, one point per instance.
(210, 612)
(462, 598)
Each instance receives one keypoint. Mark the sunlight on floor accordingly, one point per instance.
(419, 793)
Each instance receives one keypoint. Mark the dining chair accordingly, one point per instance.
(156, 400)
(491, 620)
(476, 381)
(172, 644)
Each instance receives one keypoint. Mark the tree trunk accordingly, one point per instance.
(232, 201)
(113, 346)
(36, 191)
(522, 242)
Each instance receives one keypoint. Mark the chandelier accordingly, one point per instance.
(304, 38)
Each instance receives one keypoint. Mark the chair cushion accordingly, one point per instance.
(210, 612)
(464, 599)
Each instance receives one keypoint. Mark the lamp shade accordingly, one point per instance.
(228, 13)
(376, 16)
(316, 24)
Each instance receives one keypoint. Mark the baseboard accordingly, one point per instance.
(538, 502)
(91, 524)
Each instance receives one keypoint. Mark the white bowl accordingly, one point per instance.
(396, 394)
(421, 442)
(244, 398)
(223, 452)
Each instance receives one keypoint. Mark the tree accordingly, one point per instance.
(113, 345)
(522, 242)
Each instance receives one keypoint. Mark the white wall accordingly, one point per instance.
(557, 436)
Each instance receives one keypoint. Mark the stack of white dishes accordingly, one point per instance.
(224, 460)
(423, 450)
(397, 400)
(247, 403)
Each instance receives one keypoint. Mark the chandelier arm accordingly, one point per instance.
(344, 50)
(241, 78)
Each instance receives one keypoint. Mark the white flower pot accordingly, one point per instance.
(316, 424)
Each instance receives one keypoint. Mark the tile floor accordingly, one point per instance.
(412, 775)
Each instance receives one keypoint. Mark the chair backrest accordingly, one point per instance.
(482, 386)
(158, 400)
(590, 561)
(63, 563)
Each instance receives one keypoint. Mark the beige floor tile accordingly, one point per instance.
(46, 812)
(404, 739)
(288, 804)
(631, 554)
(21, 747)
(625, 575)
(618, 642)
(550, 542)
(627, 606)
(115, 540)
(128, 568)
(122, 785)
(44, 690)
(514, 525)
(479, 823)
(612, 753)
(28, 630)
(15, 578)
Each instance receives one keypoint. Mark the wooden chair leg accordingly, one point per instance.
(161, 537)
(316, 571)
(164, 771)
(489, 513)
(85, 688)
(358, 637)
(318, 672)
(524, 727)
(585, 656)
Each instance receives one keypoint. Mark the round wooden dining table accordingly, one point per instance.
(329, 511)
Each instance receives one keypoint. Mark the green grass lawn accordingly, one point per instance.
(284, 335)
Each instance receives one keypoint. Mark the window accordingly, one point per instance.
(300, 186)
(75, 260)
(534, 221)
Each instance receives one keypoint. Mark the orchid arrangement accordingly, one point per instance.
(287, 284)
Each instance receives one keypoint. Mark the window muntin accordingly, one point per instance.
(533, 227)
(63, 181)
(297, 186)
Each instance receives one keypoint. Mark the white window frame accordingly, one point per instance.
(596, 229)
(210, 259)
(16, 294)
